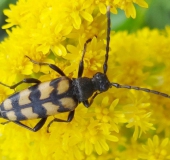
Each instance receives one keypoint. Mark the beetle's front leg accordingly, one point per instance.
(88, 103)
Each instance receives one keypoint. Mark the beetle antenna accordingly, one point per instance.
(107, 40)
(141, 89)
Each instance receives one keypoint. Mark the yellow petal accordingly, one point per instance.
(114, 104)
(7, 25)
(102, 8)
(98, 148)
(44, 48)
(112, 138)
(142, 3)
(104, 144)
(77, 20)
(86, 16)
(59, 50)
(164, 142)
(130, 10)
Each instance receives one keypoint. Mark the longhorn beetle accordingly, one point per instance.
(59, 95)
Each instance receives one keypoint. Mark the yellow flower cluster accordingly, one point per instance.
(55, 32)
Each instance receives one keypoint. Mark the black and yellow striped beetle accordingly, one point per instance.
(59, 95)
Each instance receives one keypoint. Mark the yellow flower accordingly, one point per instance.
(138, 116)
(128, 6)
(92, 60)
(107, 114)
(155, 149)
(125, 57)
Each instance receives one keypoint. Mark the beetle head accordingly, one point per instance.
(101, 82)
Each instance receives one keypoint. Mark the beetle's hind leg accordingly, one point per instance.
(52, 66)
(26, 80)
(69, 119)
(37, 127)
(3, 123)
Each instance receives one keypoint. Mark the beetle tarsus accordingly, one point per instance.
(69, 119)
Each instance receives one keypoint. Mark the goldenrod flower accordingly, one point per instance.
(138, 115)
(154, 149)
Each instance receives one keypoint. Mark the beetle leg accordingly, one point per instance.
(52, 66)
(27, 80)
(3, 123)
(37, 127)
(88, 103)
(69, 119)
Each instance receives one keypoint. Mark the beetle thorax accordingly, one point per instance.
(83, 88)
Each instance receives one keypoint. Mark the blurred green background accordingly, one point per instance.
(156, 16)
(4, 4)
